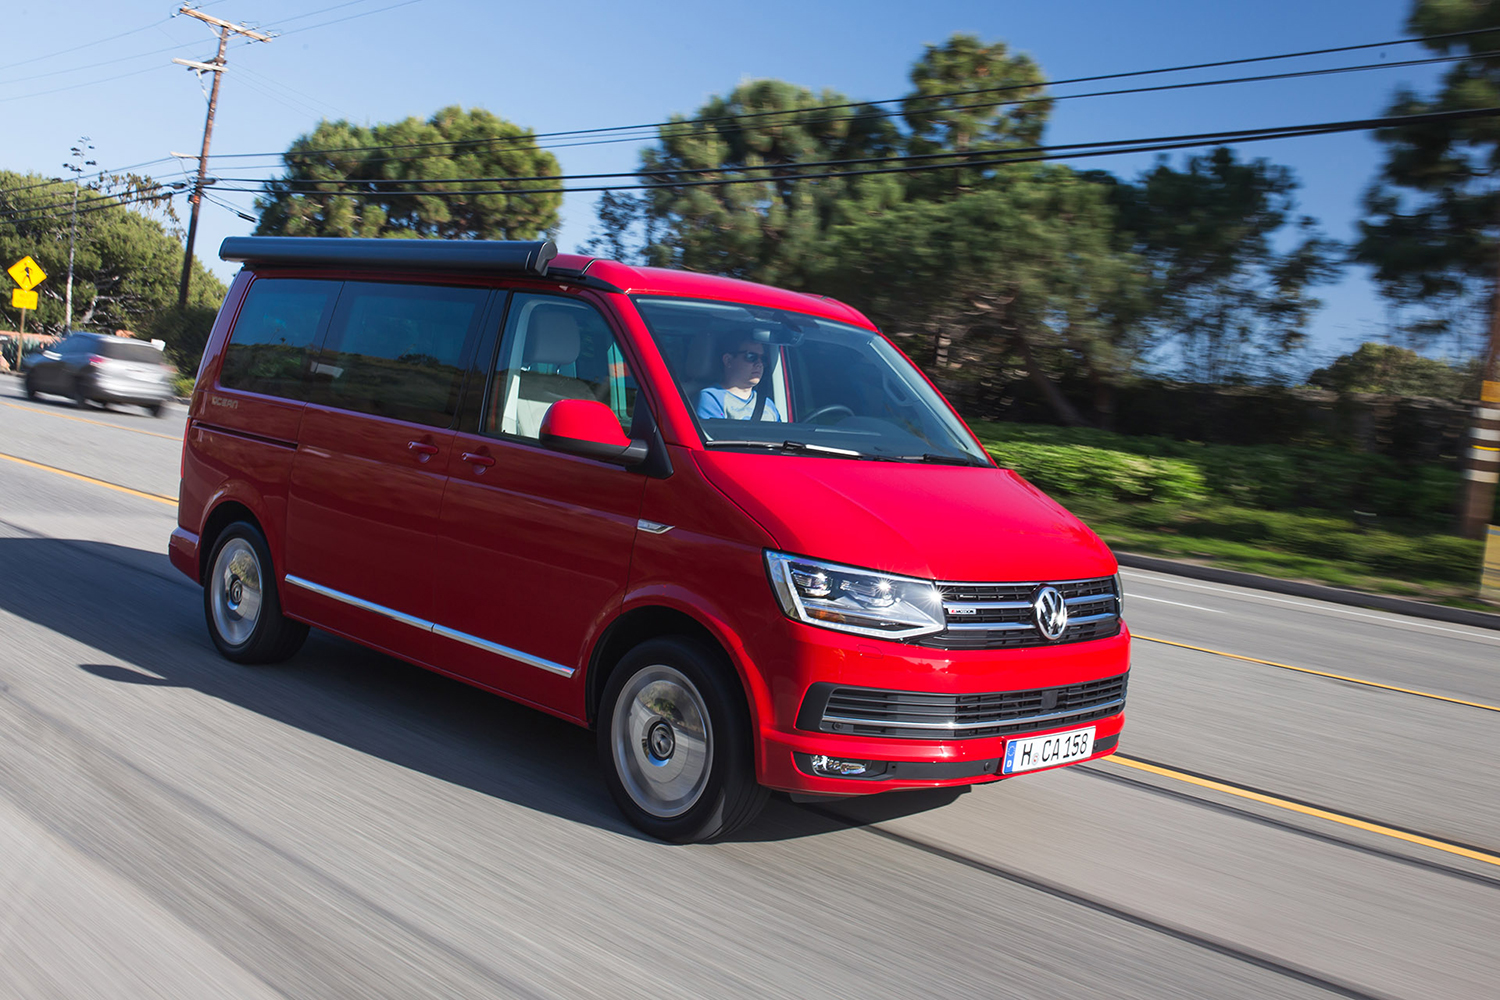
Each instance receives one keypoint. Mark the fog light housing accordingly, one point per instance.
(823, 766)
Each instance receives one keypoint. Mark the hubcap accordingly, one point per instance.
(235, 591)
(663, 741)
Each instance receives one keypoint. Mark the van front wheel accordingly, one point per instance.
(674, 743)
(240, 602)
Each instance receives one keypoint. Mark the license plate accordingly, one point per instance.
(1048, 751)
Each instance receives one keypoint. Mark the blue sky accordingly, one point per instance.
(583, 64)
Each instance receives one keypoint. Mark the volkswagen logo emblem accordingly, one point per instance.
(1051, 613)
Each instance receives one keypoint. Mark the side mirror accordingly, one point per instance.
(589, 428)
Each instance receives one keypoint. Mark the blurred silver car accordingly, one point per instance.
(93, 367)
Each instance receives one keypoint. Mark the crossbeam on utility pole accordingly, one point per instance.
(216, 66)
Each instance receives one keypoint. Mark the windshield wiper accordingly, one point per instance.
(793, 446)
(934, 458)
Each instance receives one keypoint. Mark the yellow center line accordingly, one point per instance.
(1298, 807)
(97, 423)
(1324, 673)
(90, 479)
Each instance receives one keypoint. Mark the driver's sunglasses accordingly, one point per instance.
(753, 357)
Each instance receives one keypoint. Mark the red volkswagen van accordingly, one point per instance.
(729, 527)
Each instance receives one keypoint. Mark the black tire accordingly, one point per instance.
(239, 571)
(155, 409)
(79, 399)
(674, 742)
(30, 386)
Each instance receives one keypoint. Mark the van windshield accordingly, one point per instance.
(760, 379)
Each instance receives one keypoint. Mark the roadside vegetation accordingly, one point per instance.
(1322, 514)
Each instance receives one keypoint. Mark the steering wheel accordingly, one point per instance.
(831, 408)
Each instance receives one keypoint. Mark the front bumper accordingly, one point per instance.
(814, 658)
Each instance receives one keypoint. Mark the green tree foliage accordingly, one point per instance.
(335, 179)
(126, 265)
(760, 231)
(967, 95)
(1386, 368)
(1224, 293)
(1023, 273)
(1434, 210)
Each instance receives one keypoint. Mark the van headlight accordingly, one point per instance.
(850, 599)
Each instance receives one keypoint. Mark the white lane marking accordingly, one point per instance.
(1163, 600)
(1478, 634)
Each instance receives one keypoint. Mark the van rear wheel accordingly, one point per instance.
(674, 743)
(240, 601)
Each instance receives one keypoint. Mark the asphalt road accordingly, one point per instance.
(344, 825)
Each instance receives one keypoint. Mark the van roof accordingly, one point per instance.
(635, 280)
(534, 259)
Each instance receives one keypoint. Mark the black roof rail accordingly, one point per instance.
(514, 256)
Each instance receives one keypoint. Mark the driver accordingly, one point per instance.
(735, 397)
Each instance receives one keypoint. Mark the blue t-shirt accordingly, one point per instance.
(718, 403)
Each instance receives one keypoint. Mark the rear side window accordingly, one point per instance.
(121, 349)
(277, 327)
(398, 350)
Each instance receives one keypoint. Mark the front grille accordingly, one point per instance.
(1000, 615)
(851, 711)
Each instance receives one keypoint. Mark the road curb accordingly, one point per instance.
(1315, 591)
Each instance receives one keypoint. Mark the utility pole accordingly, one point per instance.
(216, 67)
(79, 151)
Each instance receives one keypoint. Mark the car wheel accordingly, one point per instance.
(155, 409)
(240, 601)
(30, 387)
(79, 399)
(674, 742)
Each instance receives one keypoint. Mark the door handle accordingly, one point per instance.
(422, 449)
(483, 461)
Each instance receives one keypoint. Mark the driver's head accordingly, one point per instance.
(744, 364)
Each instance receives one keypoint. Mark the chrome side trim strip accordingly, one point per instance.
(433, 627)
(505, 651)
(361, 603)
(1020, 721)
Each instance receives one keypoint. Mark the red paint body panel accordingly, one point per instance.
(514, 561)
(933, 522)
(534, 553)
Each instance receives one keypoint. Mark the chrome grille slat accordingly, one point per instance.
(999, 615)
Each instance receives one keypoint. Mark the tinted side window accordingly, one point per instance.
(555, 348)
(122, 349)
(276, 329)
(398, 350)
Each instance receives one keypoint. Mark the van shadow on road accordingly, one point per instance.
(151, 626)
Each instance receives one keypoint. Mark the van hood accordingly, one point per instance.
(937, 522)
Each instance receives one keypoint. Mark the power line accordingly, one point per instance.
(896, 100)
(85, 45)
(99, 205)
(1083, 150)
(966, 158)
(885, 114)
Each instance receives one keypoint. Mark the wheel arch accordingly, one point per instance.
(651, 621)
(224, 513)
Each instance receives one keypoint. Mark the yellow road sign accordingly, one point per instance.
(20, 298)
(28, 273)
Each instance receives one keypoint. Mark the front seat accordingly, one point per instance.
(552, 341)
